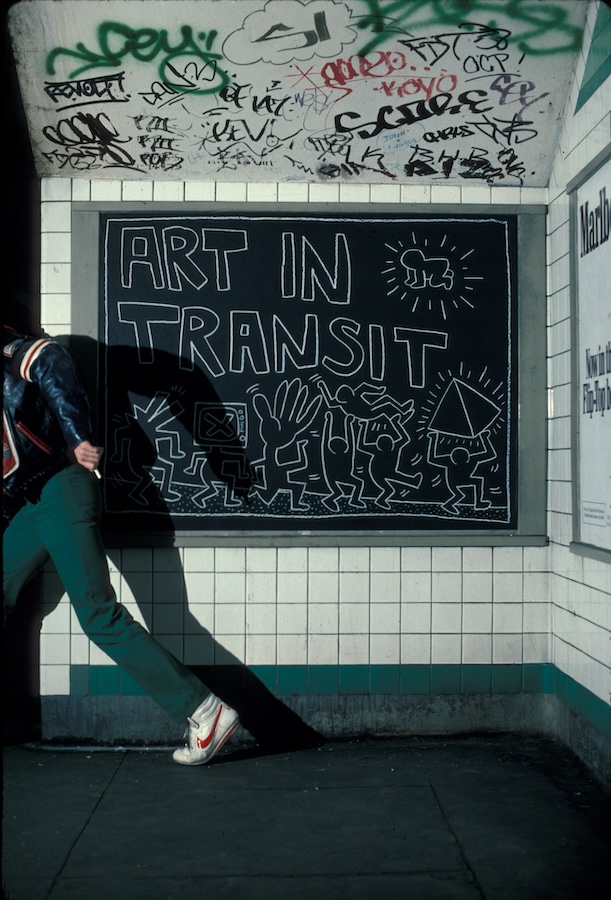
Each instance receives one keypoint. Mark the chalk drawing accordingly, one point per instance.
(364, 371)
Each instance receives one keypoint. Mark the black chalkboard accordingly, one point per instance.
(309, 371)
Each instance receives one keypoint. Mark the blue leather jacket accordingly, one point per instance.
(46, 414)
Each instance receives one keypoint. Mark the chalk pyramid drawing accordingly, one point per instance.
(463, 411)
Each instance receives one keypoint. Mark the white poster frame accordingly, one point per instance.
(590, 202)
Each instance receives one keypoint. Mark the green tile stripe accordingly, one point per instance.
(99, 680)
(598, 63)
(533, 678)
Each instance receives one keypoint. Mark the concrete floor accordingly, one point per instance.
(495, 817)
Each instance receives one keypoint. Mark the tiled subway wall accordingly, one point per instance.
(304, 606)
(323, 609)
(328, 606)
(579, 587)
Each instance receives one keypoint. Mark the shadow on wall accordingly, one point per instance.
(21, 717)
(273, 725)
(20, 285)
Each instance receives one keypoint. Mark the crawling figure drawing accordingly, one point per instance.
(426, 271)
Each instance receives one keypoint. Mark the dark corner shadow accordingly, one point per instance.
(21, 711)
(271, 722)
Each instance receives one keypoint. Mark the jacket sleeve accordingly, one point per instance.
(52, 368)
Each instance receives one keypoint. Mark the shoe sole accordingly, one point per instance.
(219, 746)
(223, 740)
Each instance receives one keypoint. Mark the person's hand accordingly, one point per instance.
(87, 455)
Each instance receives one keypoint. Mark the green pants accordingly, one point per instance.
(64, 525)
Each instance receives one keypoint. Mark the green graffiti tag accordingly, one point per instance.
(117, 41)
(539, 29)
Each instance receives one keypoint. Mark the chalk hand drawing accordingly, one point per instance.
(288, 29)
(459, 442)
(426, 271)
(280, 427)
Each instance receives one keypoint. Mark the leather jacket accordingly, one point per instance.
(46, 414)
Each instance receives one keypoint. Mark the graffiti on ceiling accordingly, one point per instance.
(364, 91)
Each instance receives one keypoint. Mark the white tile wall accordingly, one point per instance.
(199, 191)
(355, 605)
(580, 629)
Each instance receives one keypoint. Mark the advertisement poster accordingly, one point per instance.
(593, 400)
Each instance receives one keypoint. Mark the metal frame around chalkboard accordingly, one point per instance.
(531, 358)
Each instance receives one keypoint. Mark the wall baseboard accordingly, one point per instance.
(546, 702)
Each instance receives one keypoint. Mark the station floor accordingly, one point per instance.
(495, 817)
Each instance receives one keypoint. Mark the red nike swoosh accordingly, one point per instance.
(203, 744)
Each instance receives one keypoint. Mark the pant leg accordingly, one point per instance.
(67, 521)
(23, 555)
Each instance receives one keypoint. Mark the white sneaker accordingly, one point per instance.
(210, 726)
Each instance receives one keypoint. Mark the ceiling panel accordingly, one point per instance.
(369, 91)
